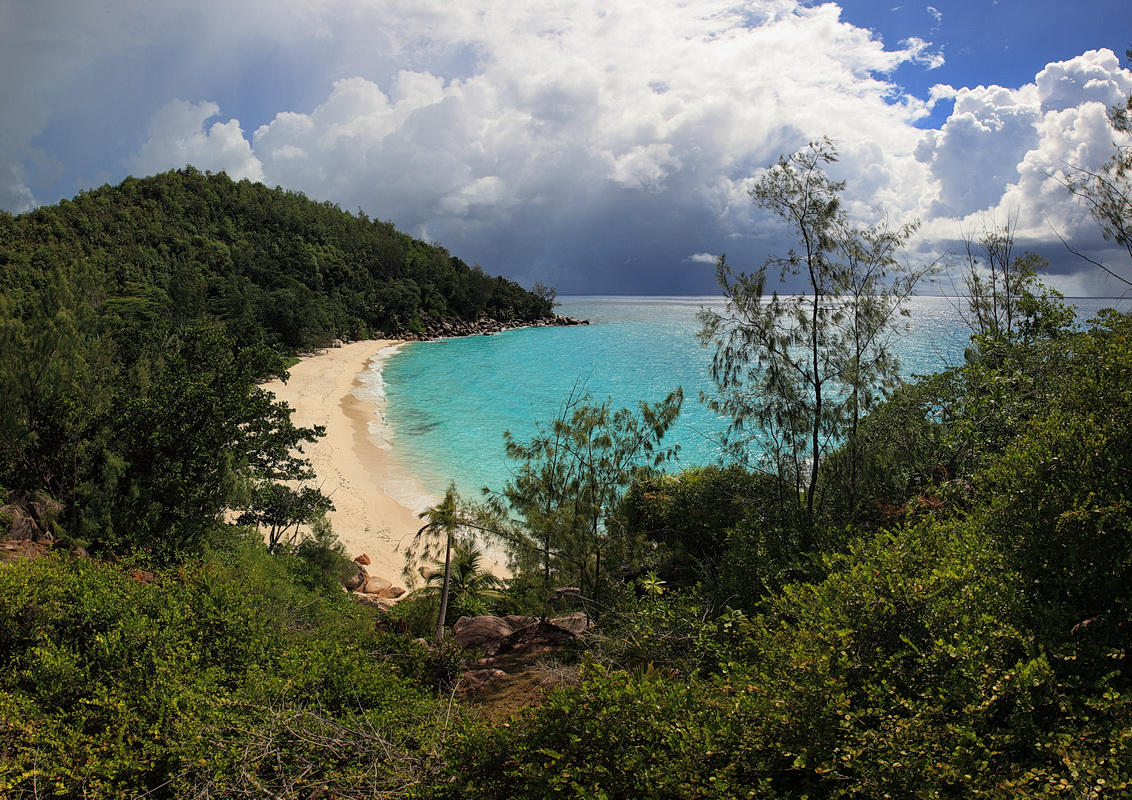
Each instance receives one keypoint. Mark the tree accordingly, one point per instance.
(282, 509)
(874, 287)
(444, 523)
(548, 294)
(794, 373)
(57, 375)
(998, 286)
(472, 588)
(192, 445)
(571, 477)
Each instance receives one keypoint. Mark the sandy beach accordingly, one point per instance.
(350, 467)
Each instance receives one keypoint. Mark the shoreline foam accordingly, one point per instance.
(352, 469)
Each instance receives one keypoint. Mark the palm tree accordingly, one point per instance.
(443, 523)
(469, 581)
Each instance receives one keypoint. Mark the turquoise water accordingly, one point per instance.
(443, 406)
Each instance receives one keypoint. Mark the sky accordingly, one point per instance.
(598, 146)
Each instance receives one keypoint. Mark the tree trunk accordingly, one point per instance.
(444, 591)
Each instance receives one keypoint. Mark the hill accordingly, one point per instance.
(272, 265)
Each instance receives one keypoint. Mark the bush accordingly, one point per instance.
(710, 521)
(114, 685)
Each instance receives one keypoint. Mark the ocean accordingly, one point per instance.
(442, 406)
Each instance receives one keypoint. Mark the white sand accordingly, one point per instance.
(349, 465)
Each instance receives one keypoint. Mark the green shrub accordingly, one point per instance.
(114, 685)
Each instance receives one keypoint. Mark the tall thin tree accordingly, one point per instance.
(792, 371)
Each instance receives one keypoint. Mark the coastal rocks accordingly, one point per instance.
(383, 588)
(355, 578)
(368, 587)
(376, 585)
(485, 326)
(373, 601)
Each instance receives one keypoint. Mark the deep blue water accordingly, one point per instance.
(444, 405)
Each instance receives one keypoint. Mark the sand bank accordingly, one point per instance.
(350, 467)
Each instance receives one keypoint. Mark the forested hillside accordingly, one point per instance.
(137, 320)
(272, 265)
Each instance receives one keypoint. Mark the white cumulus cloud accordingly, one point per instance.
(583, 143)
(1008, 152)
(178, 135)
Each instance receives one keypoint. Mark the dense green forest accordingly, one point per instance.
(936, 604)
(272, 265)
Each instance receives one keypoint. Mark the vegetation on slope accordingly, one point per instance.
(969, 638)
(167, 251)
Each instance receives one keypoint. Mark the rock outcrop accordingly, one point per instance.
(26, 525)
(368, 588)
(533, 640)
(355, 577)
(481, 633)
(478, 679)
(496, 636)
(484, 326)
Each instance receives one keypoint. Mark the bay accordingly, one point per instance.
(443, 406)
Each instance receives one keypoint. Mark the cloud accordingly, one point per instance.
(702, 258)
(920, 53)
(1009, 152)
(178, 136)
(977, 151)
(585, 144)
(570, 117)
(937, 18)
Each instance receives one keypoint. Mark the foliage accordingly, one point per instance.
(615, 736)
(996, 282)
(643, 629)
(473, 590)
(57, 375)
(150, 456)
(213, 679)
(189, 445)
(438, 536)
(136, 322)
(1059, 495)
(921, 449)
(970, 648)
(175, 249)
(568, 483)
(736, 530)
(795, 373)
